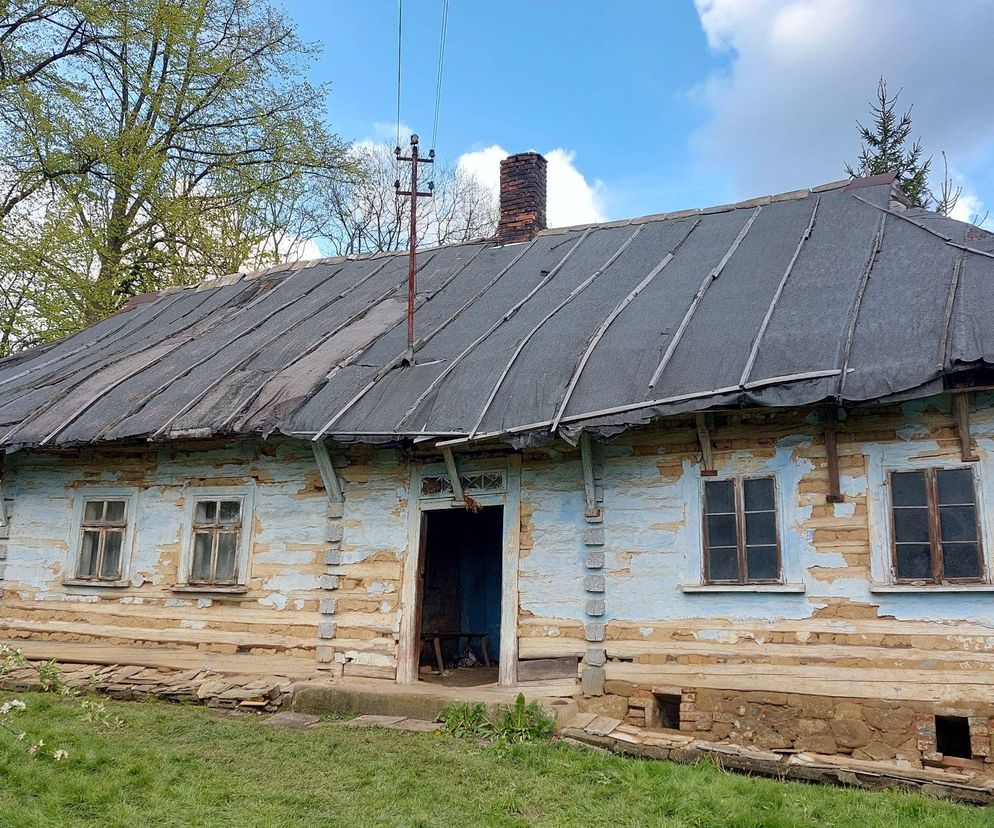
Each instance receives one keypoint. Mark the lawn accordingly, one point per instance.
(180, 766)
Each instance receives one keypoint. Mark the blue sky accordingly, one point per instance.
(662, 105)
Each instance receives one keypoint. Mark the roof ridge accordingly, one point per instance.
(749, 203)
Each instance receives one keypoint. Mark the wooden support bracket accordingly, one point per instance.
(592, 511)
(450, 464)
(329, 476)
(961, 408)
(707, 448)
(832, 453)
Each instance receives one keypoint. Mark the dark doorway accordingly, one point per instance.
(461, 595)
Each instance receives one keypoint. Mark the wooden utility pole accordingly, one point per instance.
(412, 267)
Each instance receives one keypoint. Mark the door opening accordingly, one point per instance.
(461, 596)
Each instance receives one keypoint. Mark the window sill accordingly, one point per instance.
(237, 589)
(920, 589)
(789, 588)
(81, 582)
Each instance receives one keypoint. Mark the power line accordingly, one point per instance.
(441, 62)
(400, 40)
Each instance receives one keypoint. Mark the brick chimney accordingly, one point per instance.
(522, 197)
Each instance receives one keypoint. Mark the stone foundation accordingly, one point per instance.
(903, 732)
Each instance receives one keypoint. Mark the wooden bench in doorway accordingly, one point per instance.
(436, 639)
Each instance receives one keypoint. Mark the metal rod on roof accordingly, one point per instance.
(602, 329)
(857, 302)
(507, 315)
(714, 274)
(573, 294)
(754, 351)
(948, 315)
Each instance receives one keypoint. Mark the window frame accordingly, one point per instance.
(71, 570)
(934, 532)
(738, 482)
(194, 495)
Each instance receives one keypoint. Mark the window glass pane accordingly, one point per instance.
(719, 496)
(227, 543)
(111, 567)
(914, 562)
(721, 530)
(93, 511)
(115, 511)
(762, 563)
(761, 528)
(911, 525)
(958, 523)
(200, 569)
(230, 510)
(908, 488)
(758, 494)
(88, 555)
(723, 564)
(206, 511)
(955, 485)
(960, 560)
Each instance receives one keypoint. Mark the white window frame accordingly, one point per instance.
(791, 580)
(193, 494)
(84, 496)
(879, 468)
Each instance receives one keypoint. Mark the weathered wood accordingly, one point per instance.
(707, 448)
(547, 668)
(589, 486)
(453, 472)
(961, 406)
(832, 452)
(329, 476)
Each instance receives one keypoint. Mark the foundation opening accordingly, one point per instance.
(667, 710)
(461, 596)
(952, 736)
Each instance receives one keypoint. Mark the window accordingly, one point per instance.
(216, 530)
(103, 527)
(740, 531)
(935, 530)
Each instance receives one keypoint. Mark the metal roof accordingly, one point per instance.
(839, 292)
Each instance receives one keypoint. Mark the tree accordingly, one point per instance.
(886, 148)
(368, 217)
(163, 141)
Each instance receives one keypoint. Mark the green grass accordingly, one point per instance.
(180, 766)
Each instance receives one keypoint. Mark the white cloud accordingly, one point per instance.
(801, 73)
(571, 198)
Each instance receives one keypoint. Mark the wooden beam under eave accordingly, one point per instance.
(961, 410)
(592, 511)
(832, 453)
(329, 476)
(707, 447)
(454, 480)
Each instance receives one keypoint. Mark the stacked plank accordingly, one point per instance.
(610, 734)
(196, 686)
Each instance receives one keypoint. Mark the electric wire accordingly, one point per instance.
(441, 63)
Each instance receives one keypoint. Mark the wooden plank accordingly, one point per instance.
(961, 407)
(589, 485)
(707, 447)
(602, 726)
(832, 455)
(540, 669)
(453, 472)
(329, 476)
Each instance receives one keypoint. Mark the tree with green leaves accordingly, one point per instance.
(146, 143)
(887, 147)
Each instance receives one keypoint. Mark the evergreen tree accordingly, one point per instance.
(886, 148)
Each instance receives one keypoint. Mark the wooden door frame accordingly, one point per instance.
(408, 644)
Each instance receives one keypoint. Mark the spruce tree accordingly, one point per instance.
(886, 148)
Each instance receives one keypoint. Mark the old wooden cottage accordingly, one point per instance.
(731, 469)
